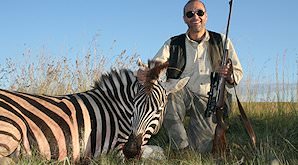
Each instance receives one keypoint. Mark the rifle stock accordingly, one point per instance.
(220, 141)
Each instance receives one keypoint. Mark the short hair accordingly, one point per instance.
(190, 1)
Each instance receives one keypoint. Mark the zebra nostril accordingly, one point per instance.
(132, 148)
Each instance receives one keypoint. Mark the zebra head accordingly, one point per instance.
(149, 104)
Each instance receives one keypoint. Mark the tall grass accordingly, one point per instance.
(275, 123)
(52, 76)
(278, 85)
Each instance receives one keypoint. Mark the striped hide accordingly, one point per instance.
(117, 112)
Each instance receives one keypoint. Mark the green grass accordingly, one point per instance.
(275, 125)
(276, 130)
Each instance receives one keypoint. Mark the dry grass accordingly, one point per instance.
(275, 123)
(62, 76)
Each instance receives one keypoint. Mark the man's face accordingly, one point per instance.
(191, 16)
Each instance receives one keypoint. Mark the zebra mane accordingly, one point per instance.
(155, 68)
(108, 77)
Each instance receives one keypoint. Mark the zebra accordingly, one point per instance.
(118, 113)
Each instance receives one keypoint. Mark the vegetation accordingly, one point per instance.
(275, 123)
(276, 130)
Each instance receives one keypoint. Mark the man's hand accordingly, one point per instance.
(227, 72)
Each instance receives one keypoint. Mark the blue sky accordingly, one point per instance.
(264, 33)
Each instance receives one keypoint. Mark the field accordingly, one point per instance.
(275, 123)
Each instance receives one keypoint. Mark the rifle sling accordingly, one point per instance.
(246, 123)
(244, 119)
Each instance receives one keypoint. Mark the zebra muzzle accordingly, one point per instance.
(132, 148)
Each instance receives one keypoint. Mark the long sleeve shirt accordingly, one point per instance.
(198, 64)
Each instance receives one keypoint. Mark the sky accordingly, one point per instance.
(264, 33)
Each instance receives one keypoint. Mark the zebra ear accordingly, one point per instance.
(141, 64)
(173, 85)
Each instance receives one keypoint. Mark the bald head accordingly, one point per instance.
(192, 1)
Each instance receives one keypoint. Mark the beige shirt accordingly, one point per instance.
(198, 66)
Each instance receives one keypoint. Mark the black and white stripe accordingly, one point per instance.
(84, 124)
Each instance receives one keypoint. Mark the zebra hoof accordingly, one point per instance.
(153, 152)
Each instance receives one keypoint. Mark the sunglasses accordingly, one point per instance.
(190, 14)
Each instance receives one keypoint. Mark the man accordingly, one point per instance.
(194, 54)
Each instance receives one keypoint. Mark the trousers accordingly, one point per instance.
(198, 132)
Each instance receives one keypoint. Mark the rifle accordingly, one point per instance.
(216, 102)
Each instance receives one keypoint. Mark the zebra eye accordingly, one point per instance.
(160, 108)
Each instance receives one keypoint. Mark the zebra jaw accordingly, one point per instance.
(132, 148)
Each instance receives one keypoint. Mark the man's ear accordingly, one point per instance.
(184, 19)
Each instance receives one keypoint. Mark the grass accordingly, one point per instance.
(60, 76)
(276, 130)
(275, 123)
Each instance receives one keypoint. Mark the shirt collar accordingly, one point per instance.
(205, 39)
